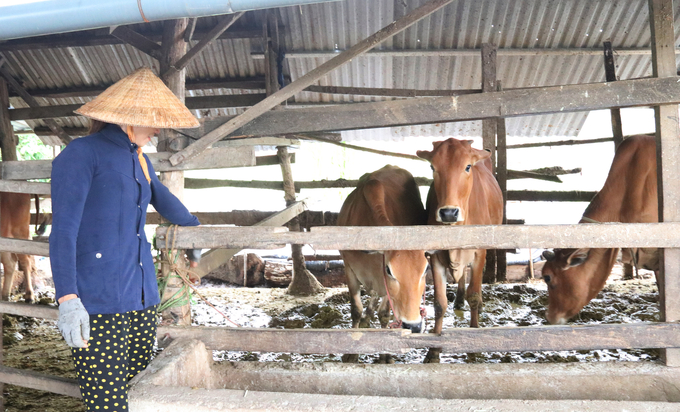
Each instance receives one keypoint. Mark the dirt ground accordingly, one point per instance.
(36, 344)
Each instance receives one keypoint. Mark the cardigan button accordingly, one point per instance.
(98, 255)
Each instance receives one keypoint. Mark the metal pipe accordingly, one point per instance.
(26, 18)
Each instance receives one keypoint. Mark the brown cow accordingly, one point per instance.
(15, 221)
(464, 192)
(386, 197)
(629, 195)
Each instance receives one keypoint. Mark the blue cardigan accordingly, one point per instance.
(98, 248)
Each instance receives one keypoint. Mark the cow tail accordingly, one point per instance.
(39, 226)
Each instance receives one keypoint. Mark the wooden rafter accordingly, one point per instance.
(213, 34)
(307, 80)
(138, 41)
(191, 27)
(56, 129)
(199, 102)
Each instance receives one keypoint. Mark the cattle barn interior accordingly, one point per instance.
(277, 86)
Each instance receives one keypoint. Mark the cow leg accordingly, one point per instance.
(384, 318)
(356, 308)
(26, 266)
(370, 312)
(474, 292)
(459, 303)
(440, 302)
(8, 264)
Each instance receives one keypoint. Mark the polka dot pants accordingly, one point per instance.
(120, 347)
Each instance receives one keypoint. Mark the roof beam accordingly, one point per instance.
(56, 129)
(307, 80)
(245, 83)
(521, 52)
(138, 41)
(213, 34)
(426, 110)
(374, 91)
(193, 103)
(89, 38)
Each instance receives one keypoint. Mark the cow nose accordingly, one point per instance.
(415, 327)
(449, 214)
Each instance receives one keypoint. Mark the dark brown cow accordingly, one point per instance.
(15, 221)
(464, 192)
(629, 195)
(386, 197)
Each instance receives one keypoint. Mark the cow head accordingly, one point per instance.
(574, 277)
(405, 272)
(452, 161)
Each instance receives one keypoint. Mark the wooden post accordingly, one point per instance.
(610, 76)
(489, 138)
(173, 48)
(502, 177)
(668, 164)
(303, 282)
(9, 152)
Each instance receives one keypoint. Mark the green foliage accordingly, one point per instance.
(31, 148)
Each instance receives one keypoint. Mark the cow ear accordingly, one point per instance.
(548, 255)
(424, 154)
(577, 257)
(479, 155)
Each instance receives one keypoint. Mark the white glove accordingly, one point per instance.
(74, 323)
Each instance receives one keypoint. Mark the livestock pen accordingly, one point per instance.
(492, 104)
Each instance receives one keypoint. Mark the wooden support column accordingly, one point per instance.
(9, 152)
(610, 76)
(489, 138)
(502, 176)
(303, 282)
(668, 164)
(173, 48)
(617, 126)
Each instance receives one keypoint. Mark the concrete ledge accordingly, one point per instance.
(184, 377)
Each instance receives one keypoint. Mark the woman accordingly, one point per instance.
(104, 275)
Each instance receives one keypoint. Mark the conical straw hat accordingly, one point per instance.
(140, 99)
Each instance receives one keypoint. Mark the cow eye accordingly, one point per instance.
(546, 278)
(467, 168)
(389, 272)
(432, 167)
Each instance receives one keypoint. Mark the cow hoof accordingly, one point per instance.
(29, 300)
(432, 356)
(350, 358)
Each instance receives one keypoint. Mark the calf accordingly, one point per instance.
(15, 221)
(629, 195)
(464, 192)
(386, 197)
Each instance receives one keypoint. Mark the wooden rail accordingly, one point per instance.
(606, 235)
(456, 340)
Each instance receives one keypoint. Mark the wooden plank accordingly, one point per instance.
(307, 80)
(26, 247)
(423, 110)
(453, 340)
(607, 235)
(249, 83)
(375, 91)
(259, 141)
(544, 196)
(25, 187)
(138, 41)
(27, 309)
(35, 380)
(668, 162)
(90, 38)
(56, 129)
(213, 34)
(193, 103)
(560, 143)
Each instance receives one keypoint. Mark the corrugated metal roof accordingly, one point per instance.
(326, 27)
